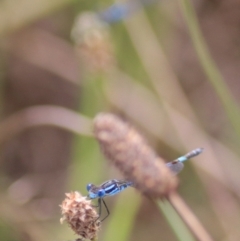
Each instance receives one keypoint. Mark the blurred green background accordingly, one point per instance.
(169, 68)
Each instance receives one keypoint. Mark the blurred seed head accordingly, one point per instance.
(127, 149)
(78, 212)
(92, 39)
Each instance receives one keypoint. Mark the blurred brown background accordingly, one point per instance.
(145, 68)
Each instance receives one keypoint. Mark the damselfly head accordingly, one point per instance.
(89, 186)
(95, 191)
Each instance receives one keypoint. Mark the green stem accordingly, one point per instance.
(174, 221)
(209, 66)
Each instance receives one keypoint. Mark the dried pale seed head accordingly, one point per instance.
(93, 43)
(127, 149)
(78, 212)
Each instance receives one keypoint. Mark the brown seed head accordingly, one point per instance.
(78, 212)
(127, 149)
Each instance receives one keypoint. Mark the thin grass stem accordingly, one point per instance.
(209, 66)
(189, 218)
(175, 222)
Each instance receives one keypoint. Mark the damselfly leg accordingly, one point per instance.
(99, 206)
(100, 201)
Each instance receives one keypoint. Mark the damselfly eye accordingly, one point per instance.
(89, 186)
(101, 193)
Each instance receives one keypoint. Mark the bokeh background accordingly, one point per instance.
(171, 68)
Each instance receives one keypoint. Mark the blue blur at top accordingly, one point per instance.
(116, 12)
(123, 10)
